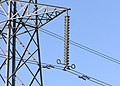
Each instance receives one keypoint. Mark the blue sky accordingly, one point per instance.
(95, 24)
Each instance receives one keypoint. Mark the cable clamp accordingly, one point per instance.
(72, 66)
(48, 66)
(84, 77)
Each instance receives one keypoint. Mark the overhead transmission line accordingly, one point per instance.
(80, 75)
(81, 46)
(74, 72)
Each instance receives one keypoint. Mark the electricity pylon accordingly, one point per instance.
(19, 40)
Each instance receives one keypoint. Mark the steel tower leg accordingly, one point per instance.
(8, 46)
(37, 35)
(14, 44)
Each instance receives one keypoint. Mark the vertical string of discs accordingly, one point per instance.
(66, 41)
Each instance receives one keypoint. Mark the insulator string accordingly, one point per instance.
(66, 41)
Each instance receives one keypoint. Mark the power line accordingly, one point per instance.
(81, 46)
(78, 74)
(84, 77)
(74, 72)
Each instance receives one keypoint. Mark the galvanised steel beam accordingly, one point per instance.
(20, 21)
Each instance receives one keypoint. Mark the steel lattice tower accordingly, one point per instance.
(19, 40)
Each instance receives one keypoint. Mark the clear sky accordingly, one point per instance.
(93, 23)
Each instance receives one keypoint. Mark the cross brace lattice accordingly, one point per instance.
(19, 40)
